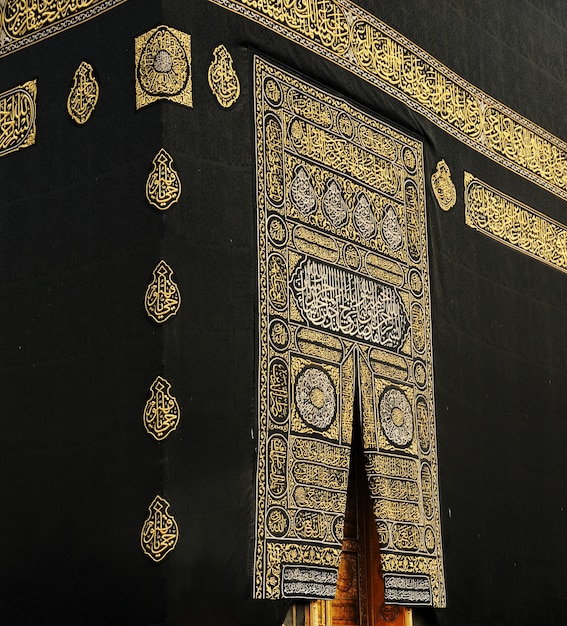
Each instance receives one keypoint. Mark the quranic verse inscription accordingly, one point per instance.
(343, 294)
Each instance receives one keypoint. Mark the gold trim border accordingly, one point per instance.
(514, 224)
(8, 45)
(345, 34)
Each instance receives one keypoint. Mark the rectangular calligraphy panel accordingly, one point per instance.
(344, 308)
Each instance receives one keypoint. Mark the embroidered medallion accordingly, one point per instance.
(160, 532)
(343, 305)
(396, 417)
(223, 79)
(163, 67)
(163, 298)
(163, 187)
(315, 397)
(161, 413)
(17, 117)
(443, 186)
(84, 93)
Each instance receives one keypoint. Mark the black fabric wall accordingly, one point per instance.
(78, 245)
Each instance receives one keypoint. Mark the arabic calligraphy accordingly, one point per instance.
(163, 298)
(343, 304)
(163, 187)
(84, 93)
(161, 413)
(160, 532)
(24, 22)
(17, 117)
(349, 304)
(341, 31)
(514, 224)
(223, 79)
(443, 187)
(163, 67)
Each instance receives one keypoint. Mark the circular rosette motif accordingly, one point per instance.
(315, 397)
(164, 65)
(396, 417)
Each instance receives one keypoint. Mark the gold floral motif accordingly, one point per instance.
(17, 117)
(160, 532)
(163, 298)
(161, 413)
(84, 93)
(223, 79)
(24, 22)
(356, 40)
(514, 224)
(443, 187)
(163, 187)
(163, 67)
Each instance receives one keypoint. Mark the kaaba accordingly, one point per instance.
(282, 324)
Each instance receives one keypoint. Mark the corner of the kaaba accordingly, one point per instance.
(228, 230)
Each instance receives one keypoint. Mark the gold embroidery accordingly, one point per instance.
(341, 31)
(163, 67)
(163, 298)
(344, 293)
(23, 22)
(223, 79)
(17, 117)
(160, 532)
(83, 96)
(161, 413)
(163, 187)
(514, 224)
(443, 187)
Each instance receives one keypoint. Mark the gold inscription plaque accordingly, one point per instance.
(84, 93)
(443, 187)
(514, 224)
(160, 532)
(161, 413)
(17, 117)
(163, 187)
(223, 79)
(163, 298)
(163, 67)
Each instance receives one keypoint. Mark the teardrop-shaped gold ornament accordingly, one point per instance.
(163, 187)
(223, 79)
(163, 298)
(443, 186)
(84, 93)
(161, 413)
(160, 531)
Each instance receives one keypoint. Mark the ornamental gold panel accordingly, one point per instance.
(161, 412)
(84, 93)
(160, 531)
(163, 298)
(514, 224)
(343, 308)
(18, 117)
(443, 187)
(223, 79)
(163, 67)
(163, 187)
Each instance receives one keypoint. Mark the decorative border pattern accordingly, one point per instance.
(514, 224)
(17, 117)
(343, 295)
(25, 22)
(343, 33)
